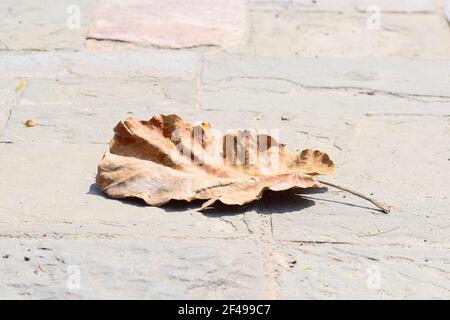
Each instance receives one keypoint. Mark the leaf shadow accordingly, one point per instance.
(94, 190)
(272, 202)
(342, 202)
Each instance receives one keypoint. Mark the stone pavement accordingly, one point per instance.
(374, 94)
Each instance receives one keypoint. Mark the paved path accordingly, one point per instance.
(375, 97)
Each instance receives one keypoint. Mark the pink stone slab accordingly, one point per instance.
(170, 23)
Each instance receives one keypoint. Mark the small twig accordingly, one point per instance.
(377, 233)
(384, 207)
(38, 264)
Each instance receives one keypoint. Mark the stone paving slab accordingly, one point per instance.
(68, 124)
(106, 91)
(46, 185)
(357, 167)
(94, 124)
(378, 155)
(417, 78)
(404, 157)
(330, 218)
(49, 25)
(344, 6)
(170, 24)
(331, 271)
(302, 130)
(123, 269)
(264, 84)
(353, 35)
(51, 65)
(260, 96)
(376, 100)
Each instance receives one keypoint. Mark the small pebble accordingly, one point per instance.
(26, 258)
(30, 123)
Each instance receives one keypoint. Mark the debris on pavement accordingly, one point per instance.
(20, 86)
(167, 158)
(30, 123)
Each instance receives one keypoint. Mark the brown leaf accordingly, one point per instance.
(167, 158)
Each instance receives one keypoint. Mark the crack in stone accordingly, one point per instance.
(313, 135)
(314, 242)
(404, 95)
(244, 220)
(39, 235)
(152, 45)
(271, 271)
(28, 50)
(270, 265)
(229, 222)
(417, 280)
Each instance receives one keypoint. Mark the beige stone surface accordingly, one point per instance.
(328, 34)
(130, 269)
(54, 184)
(327, 271)
(49, 25)
(376, 100)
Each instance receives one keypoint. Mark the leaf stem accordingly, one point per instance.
(384, 207)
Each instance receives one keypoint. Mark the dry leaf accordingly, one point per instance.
(167, 158)
(20, 85)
